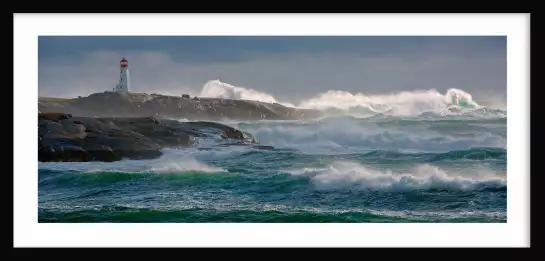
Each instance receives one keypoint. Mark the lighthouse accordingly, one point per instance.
(124, 82)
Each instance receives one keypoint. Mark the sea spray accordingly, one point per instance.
(416, 156)
(348, 174)
(405, 103)
(338, 135)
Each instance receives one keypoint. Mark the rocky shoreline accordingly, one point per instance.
(66, 138)
(114, 104)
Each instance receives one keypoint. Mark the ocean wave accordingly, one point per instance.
(260, 213)
(353, 175)
(344, 135)
(218, 89)
(477, 154)
(405, 103)
(172, 161)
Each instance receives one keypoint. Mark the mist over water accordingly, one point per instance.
(411, 156)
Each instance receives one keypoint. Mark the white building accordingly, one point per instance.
(124, 81)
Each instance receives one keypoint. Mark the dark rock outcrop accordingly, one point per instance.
(226, 131)
(63, 137)
(53, 116)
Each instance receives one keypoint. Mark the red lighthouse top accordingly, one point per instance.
(124, 62)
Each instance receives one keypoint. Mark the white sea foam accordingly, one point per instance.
(406, 103)
(352, 135)
(346, 174)
(172, 161)
(218, 89)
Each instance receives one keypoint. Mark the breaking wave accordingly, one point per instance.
(218, 89)
(340, 135)
(406, 103)
(172, 161)
(344, 174)
(415, 156)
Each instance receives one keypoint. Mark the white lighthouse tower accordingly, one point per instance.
(124, 81)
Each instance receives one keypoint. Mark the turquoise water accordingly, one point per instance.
(429, 168)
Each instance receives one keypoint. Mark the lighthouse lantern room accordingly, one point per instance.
(124, 82)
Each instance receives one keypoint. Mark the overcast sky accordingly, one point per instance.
(289, 68)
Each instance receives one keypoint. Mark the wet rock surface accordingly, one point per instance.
(63, 137)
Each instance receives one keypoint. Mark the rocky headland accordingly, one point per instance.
(113, 126)
(114, 104)
(66, 138)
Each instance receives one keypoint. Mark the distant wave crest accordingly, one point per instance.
(347, 134)
(218, 89)
(405, 103)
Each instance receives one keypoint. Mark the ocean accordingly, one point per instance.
(446, 165)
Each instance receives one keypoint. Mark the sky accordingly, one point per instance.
(290, 68)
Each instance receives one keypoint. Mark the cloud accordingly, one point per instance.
(288, 76)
